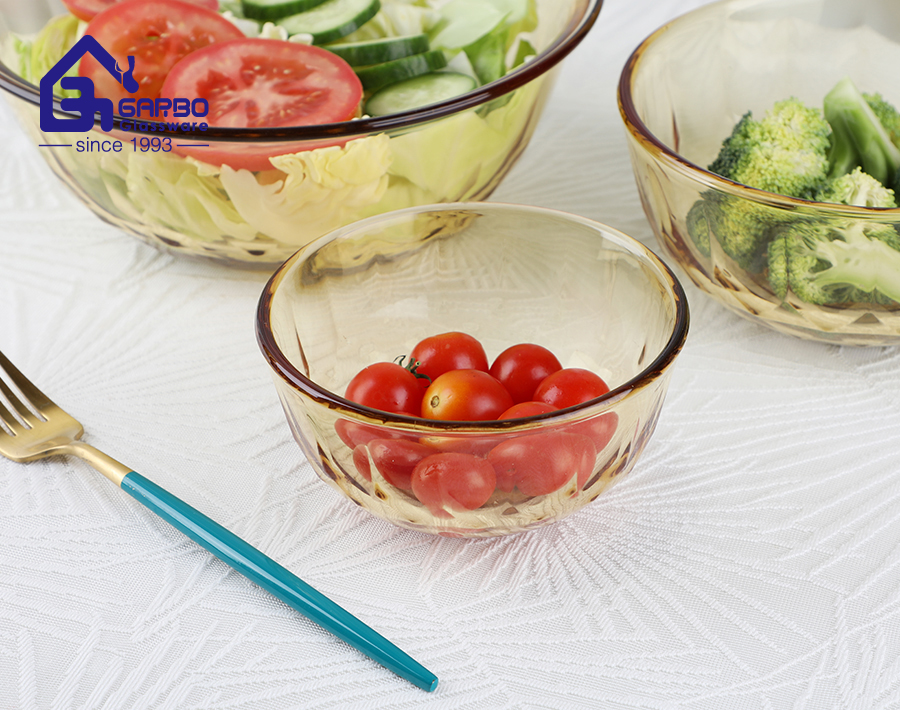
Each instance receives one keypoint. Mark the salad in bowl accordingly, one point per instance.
(242, 130)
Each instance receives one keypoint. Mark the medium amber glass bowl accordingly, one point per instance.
(681, 93)
(505, 274)
(459, 149)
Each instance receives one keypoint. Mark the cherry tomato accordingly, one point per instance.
(598, 429)
(461, 443)
(255, 83)
(521, 368)
(538, 464)
(158, 33)
(388, 387)
(355, 433)
(449, 351)
(395, 459)
(361, 461)
(453, 482)
(466, 396)
(86, 9)
(527, 409)
(571, 386)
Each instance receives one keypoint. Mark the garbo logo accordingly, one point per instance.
(88, 105)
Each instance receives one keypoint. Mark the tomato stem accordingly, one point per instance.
(412, 366)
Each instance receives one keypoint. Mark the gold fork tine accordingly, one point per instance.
(7, 419)
(37, 398)
(18, 412)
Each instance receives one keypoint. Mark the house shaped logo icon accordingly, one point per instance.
(87, 104)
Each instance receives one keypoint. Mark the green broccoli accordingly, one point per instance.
(786, 152)
(741, 227)
(856, 188)
(859, 138)
(698, 227)
(887, 115)
(843, 261)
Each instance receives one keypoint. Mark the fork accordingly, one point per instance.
(32, 427)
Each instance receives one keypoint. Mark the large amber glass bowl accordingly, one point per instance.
(505, 274)
(459, 149)
(681, 93)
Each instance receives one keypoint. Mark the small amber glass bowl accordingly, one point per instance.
(454, 150)
(505, 274)
(686, 86)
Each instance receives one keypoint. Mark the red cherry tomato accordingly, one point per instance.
(571, 386)
(86, 9)
(158, 33)
(453, 482)
(361, 461)
(527, 409)
(538, 464)
(477, 445)
(388, 387)
(395, 459)
(255, 83)
(449, 351)
(600, 429)
(466, 396)
(521, 368)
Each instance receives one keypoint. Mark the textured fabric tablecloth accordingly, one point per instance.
(752, 560)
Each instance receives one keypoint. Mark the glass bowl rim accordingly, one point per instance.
(540, 65)
(658, 150)
(283, 367)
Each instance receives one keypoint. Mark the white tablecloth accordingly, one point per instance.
(752, 559)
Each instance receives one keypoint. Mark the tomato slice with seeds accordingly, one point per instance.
(87, 9)
(158, 33)
(257, 83)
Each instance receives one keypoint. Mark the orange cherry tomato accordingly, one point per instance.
(465, 395)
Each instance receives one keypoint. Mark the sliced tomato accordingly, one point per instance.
(87, 9)
(258, 83)
(158, 33)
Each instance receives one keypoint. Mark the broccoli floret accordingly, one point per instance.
(833, 263)
(698, 226)
(888, 116)
(858, 139)
(786, 152)
(741, 227)
(857, 188)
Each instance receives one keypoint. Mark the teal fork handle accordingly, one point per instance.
(276, 580)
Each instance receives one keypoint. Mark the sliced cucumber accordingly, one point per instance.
(378, 51)
(418, 91)
(378, 76)
(331, 20)
(276, 9)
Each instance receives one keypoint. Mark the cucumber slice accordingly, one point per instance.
(331, 20)
(378, 51)
(378, 76)
(269, 10)
(418, 91)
